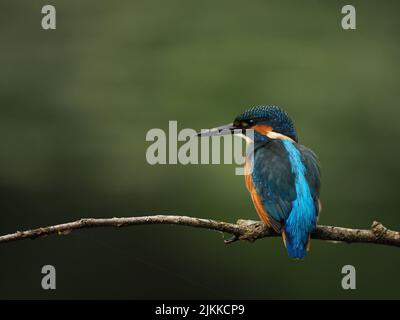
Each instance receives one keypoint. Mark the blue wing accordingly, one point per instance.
(274, 180)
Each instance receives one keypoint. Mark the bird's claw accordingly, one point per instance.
(232, 239)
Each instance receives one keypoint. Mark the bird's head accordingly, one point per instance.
(267, 121)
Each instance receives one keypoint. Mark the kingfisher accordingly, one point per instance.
(285, 179)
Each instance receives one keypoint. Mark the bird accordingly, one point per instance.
(285, 180)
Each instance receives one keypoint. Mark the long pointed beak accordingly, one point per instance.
(219, 131)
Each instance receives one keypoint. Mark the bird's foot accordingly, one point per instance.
(232, 239)
(252, 230)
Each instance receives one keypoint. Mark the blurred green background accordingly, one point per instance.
(77, 102)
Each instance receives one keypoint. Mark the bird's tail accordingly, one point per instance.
(296, 248)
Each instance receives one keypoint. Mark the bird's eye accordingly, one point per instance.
(236, 123)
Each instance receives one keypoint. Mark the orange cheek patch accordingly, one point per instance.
(262, 129)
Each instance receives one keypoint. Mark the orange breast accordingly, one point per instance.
(258, 204)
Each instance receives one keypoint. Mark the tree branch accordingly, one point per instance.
(242, 230)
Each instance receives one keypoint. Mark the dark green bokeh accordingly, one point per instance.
(76, 104)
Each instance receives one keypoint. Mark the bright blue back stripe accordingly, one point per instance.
(302, 218)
